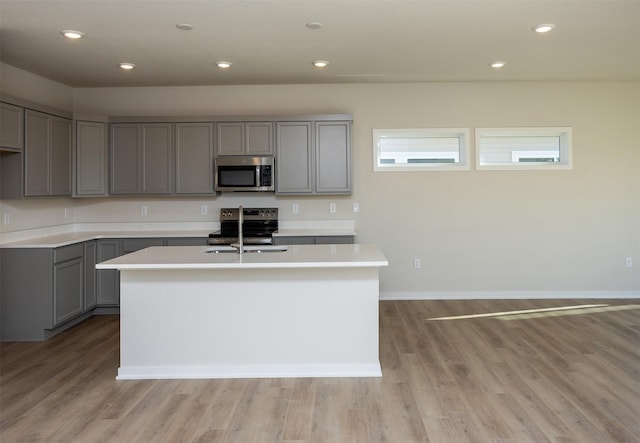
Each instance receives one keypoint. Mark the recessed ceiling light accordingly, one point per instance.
(223, 65)
(541, 29)
(320, 63)
(70, 33)
(314, 25)
(497, 65)
(184, 26)
(127, 66)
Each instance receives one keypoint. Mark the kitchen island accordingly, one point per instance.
(309, 311)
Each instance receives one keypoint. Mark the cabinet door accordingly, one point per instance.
(194, 158)
(60, 156)
(259, 138)
(11, 127)
(125, 159)
(230, 138)
(294, 159)
(68, 296)
(108, 280)
(157, 159)
(90, 294)
(333, 157)
(37, 154)
(91, 158)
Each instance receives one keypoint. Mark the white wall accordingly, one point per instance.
(28, 86)
(479, 232)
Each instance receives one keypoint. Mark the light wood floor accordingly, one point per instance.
(561, 376)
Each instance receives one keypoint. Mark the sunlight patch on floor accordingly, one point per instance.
(542, 312)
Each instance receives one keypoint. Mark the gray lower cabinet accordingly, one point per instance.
(47, 161)
(314, 240)
(194, 158)
(91, 159)
(107, 280)
(90, 272)
(11, 127)
(42, 289)
(313, 157)
(141, 159)
(186, 241)
(68, 286)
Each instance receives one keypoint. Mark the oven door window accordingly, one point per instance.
(237, 176)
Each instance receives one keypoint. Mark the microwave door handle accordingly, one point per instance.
(258, 178)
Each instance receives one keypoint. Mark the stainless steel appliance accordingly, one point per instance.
(257, 227)
(244, 173)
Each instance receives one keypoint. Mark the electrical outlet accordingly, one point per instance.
(203, 209)
(143, 211)
(356, 207)
(332, 208)
(295, 208)
(66, 212)
(629, 262)
(416, 263)
(7, 218)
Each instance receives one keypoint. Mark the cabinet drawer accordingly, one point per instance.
(68, 252)
(135, 244)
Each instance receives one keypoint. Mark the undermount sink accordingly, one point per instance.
(249, 248)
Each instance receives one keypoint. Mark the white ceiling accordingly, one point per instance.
(364, 40)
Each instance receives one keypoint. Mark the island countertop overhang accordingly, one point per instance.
(296, 256)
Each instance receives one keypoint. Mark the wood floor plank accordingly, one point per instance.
(562, 373)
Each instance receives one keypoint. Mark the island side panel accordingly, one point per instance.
(231, 323)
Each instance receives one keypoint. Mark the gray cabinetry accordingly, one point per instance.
(314, 240)
(294, 158)
(313, 157)
(90, 159)
(141, 158)
(90, 288)
(11, 127)
(68, 288)
(42, 291)
(47, 162)
(194, 158)
(333, 157)
(244, 138)
(107, 280)
(186, 241)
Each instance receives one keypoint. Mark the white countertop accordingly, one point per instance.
(296, 256)
(57, 236)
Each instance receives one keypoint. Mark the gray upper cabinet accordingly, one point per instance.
(47, 162)
(294, 157)
(91, 159)
(313, 157)
(194, 158)
(141, 158)
(333, 157)
(244, 138)
(11, 127)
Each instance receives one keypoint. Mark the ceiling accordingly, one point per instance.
(365, 41)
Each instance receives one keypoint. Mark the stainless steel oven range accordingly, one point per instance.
(257, 227)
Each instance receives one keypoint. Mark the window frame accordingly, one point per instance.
(566, 148)
(463, 134)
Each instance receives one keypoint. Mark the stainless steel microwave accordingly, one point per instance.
(244, 173)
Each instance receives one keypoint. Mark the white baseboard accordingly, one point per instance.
(507, 295)
(250, 371)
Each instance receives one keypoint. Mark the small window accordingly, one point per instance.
(420, 149)
(523, 148)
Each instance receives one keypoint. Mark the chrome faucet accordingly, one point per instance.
(240, 235)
